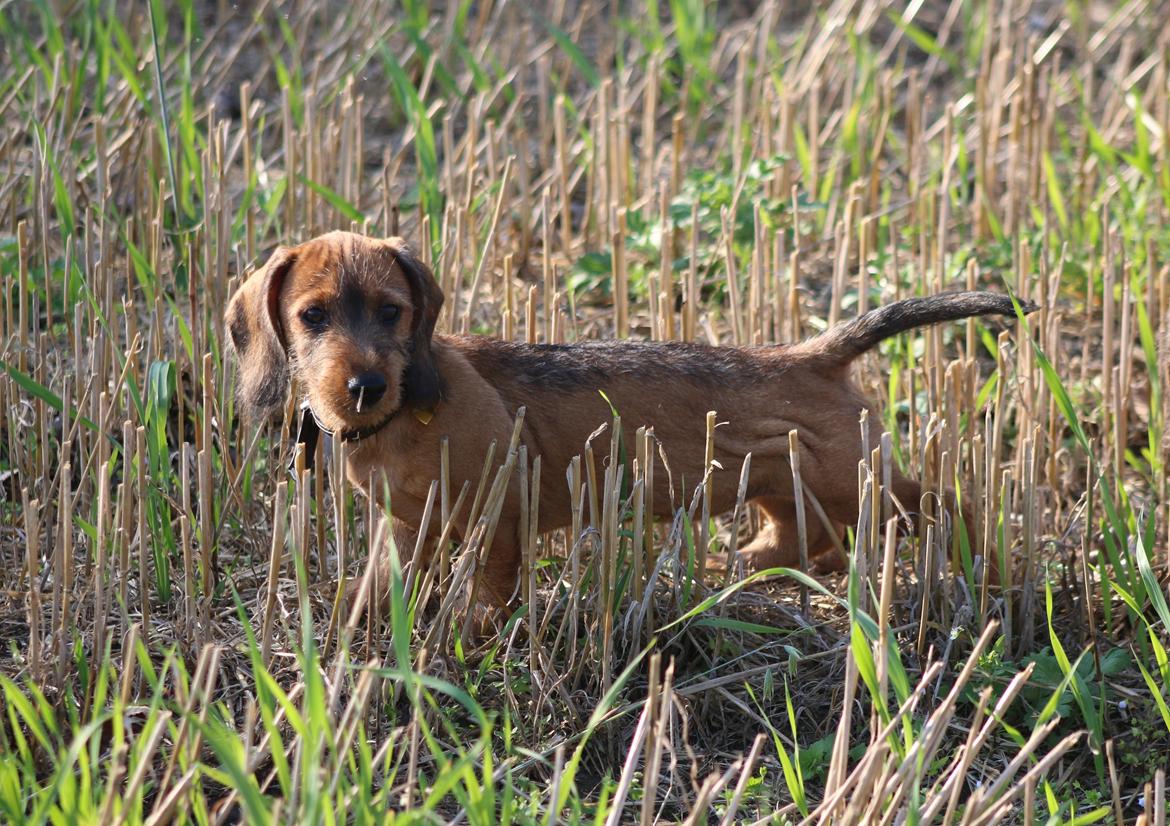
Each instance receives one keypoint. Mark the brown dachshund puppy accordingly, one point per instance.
(352, 319)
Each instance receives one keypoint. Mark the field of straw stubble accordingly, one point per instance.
(174, 648)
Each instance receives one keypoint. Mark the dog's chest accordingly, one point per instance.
(373, 468)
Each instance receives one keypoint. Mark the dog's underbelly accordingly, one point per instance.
(557, 430)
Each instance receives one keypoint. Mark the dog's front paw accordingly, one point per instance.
(481, 622)
(830, 562)
(761, 559)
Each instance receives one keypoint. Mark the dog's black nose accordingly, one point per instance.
(367, 388)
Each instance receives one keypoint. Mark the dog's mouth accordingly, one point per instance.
(357, 433)
(356, 415)
(360, 408)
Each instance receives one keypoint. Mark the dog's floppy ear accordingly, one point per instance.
(423, 385)
(257, 335)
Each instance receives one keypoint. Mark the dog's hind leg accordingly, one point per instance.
(499, 574)
(778, 542)
(910, 496)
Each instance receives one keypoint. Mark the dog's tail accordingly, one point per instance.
(846, 341)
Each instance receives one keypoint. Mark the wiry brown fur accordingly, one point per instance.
(475, 385)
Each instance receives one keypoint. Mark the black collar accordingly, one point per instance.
(357, 434)
(309, 430)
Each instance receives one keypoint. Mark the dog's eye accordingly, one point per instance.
(313, 317)
(389, 313)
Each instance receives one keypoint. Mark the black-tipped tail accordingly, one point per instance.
(848, 340)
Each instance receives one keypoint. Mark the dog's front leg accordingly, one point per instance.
(403, 543)
(393, 537)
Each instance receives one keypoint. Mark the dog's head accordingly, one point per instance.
(350, 318)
